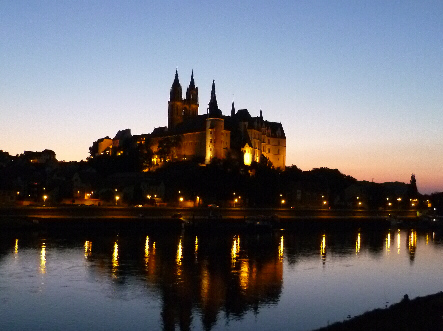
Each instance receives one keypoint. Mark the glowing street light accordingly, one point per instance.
(44, 199)
(282, 202)
(116, 199)
(235, 201)
(181, 199)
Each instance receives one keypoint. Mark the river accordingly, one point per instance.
(212, 280)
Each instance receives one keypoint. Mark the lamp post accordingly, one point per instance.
(282, 202)
(116, 199)
(44, 199)
(235, 201)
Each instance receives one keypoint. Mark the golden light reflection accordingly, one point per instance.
(88, 248)
(357, 244)
(281, 248)
(235, 250)
(16, 247)
(323, 248)
(427, 238)
(196, 247)
(244, 274)
(179, 253)
(147, 250)
(43, 259)
(398, 242)
(412, 241)
(205, 282)
(388, 242)
(115, 263)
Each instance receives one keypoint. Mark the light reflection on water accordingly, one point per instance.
(211, 281)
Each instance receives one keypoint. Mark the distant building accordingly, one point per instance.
(39, 157)
(207, 136)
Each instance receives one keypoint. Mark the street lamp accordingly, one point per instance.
(235, 201)
(282, 202)
(116, 199)
(44, 199)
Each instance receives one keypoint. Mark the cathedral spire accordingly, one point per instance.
(176, 76)
(176, 89)
(192, 84)
(213, 106)
(192, 93)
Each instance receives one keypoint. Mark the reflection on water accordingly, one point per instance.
(88, 248)
(196, 248)
(115, 260)
(412, 244)
(43, 259)
(179, 253)
(281, 248)
(323, 249)
(388, 242)
(147, 251)
(218, 281)
(357, 244)
(398, 241)
(235, 250)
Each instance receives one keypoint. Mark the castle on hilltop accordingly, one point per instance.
(207, 136)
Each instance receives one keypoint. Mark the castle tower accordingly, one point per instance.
(191, 101)
(214, 130)
(175, 104)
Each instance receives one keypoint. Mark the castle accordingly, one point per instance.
(207, 136)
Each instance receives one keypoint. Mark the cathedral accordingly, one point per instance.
(190, 135)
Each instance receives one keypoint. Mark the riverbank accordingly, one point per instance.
(102, 218)
(422, 313)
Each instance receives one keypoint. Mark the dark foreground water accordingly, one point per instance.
(284, 280)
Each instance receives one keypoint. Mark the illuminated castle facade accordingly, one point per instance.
(208, 136)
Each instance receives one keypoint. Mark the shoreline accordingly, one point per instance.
(421, 313)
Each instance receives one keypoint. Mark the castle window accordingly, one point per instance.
(210, 140)
(269, 141)
(269, 150)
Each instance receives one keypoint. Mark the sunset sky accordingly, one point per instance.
(357, 85)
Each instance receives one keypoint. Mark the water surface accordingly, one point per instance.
(215, 281)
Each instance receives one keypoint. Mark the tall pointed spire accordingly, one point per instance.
(176, 76)
(192, 84)
(192, 93)
(176, 89)
(213, 106)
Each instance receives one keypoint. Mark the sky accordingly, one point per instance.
(357, 85)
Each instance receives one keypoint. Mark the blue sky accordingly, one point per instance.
(357, 85)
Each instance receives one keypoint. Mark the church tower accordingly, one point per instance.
(191, 101)
(175, 104)
(215, 125)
